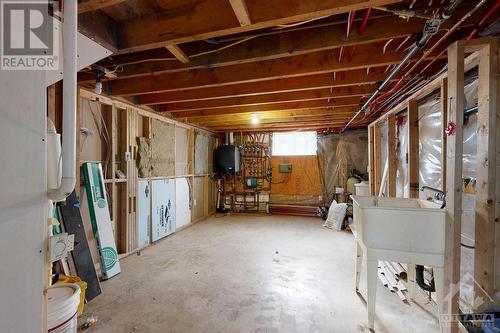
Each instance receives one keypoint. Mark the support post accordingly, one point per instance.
(413, 149)
(391, 155)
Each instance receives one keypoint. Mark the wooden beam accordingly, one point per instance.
(263, 106)
(377, 166)
(301, 83)
(413, 149)
(313, 63)
(444, 123)
(268, 120)
(178, 53)
(197, 22)
(100, 28)
(270, 46)
(93, 5)
(317, 104)
(454, 184)
(347, 110)
(371, 159)
(487, 181)
(305, 95)
(391, 156)
(241, 11)
(289, 126)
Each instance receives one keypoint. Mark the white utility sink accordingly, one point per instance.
(402, 230)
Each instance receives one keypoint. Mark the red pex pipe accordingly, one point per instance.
(481, 23)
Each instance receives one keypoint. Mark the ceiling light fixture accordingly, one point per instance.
(255, 119)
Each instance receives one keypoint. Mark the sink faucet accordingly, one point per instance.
(439, 195)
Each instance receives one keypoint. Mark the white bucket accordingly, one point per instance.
(63, 300)
(362, 189)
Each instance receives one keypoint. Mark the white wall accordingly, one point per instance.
(22, 201)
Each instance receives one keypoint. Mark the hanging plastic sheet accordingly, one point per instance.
(402, 188)
(353, 148)
(430, 143)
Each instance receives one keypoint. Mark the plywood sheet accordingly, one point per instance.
(182, 202)
(304, 179)
(162, 149)
(162, 208)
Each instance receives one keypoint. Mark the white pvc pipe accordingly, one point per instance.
(70, 30)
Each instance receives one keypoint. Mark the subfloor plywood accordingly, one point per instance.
(250, 273)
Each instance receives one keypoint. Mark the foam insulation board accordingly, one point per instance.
(143, 212)
(101, 220)
(198, 198)
(182, 202)
(162, 208)
(162, 149)
(201, 153)
(181, 151)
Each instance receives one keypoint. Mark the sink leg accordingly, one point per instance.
(411, 281)
(359, 258)
(371, 278)
(439, 281)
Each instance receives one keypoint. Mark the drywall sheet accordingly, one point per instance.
(162, 149)
(201, 153)
(198, 198)
(143, 212)
(162, 208)
(181, 151)
(351, 148)
(182, 202)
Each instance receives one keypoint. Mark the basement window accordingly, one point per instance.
(294, 144)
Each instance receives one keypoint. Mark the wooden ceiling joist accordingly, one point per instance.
(315, 104)
(93, 5)
(197, 22)
(301, 83)
(284, 120)
(178, 53)
(241, 11)
(341, 111)
(313, 63)
(284, 45)
(294, 96)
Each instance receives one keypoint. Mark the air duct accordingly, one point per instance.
(69, 102)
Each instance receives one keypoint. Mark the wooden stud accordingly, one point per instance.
(377, 167)
(444, 124)
(454, 183)
(178, 53)
(413, 149)
(391, 156)
(371, 157)
(241, 11)
(486, 200)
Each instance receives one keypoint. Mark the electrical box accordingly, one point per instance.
(285, 168)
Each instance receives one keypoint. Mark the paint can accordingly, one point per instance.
(63, 301)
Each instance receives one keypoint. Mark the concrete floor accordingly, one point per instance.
(244, 273)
